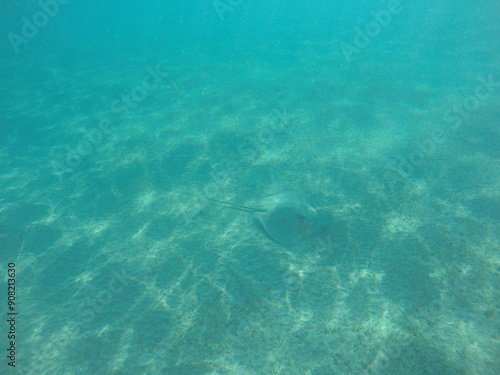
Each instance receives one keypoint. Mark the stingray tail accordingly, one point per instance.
(238, 207)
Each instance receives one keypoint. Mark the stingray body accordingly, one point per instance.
(284, 217)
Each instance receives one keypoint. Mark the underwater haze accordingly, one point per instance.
(250, 187)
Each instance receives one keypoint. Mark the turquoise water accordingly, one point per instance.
(123, 124)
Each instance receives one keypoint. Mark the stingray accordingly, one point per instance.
(283, 217)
